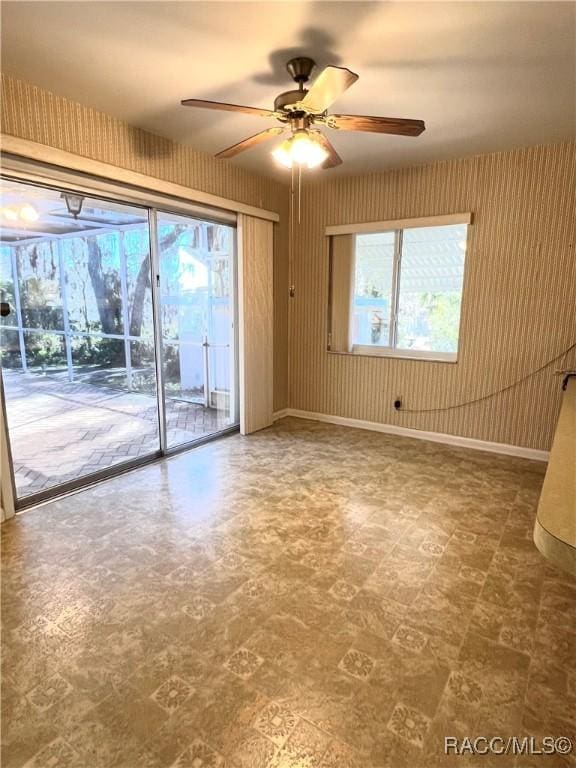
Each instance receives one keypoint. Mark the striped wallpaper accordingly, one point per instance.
(37, 115)
(519, 302)
(520, 283)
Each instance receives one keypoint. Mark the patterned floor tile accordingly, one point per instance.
(276, 722)
(172, 694)
(339, 755)
(198, 608)
(198, 755)
(57, 754)
(246, 619)
(463, 689)
(409, 638)
(243, 663)
(409, 724)
(357, 664)
(306, 746)
(47, 693)
(342, 590)
(253, 751)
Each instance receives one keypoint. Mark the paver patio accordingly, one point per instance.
(60, 431)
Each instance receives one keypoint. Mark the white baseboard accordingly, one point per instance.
(419, 434)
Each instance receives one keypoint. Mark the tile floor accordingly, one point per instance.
(88, 428)
(308, 597)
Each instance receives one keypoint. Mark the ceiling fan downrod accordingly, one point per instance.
(300, 69)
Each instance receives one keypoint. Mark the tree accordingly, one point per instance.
(106, 286)
(142, 285)
(143, 281)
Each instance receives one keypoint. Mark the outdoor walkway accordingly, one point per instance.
(61, 431)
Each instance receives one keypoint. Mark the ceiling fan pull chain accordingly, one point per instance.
(292, 288)
(299, 191)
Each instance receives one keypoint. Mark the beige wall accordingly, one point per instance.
(31, 113)
(519, 303)
(518, 308)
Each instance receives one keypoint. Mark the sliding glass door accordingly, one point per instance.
(196, 268)
(116, 337)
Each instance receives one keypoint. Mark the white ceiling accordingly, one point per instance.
(483, 75)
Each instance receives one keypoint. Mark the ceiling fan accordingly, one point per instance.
(302, 110)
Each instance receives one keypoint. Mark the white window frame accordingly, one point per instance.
(398, 226)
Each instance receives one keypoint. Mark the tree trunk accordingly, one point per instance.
(143, 282)
(106, 290)
(142, 285)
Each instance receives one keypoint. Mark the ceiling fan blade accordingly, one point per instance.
(328, 86)
(224, 107)
(333, 158)
(250, 142)
(395, 125)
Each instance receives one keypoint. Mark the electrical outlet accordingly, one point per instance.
(398, 402)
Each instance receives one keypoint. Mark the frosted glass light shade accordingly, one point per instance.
(300, 149)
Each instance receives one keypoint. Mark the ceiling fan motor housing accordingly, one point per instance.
(287, 101)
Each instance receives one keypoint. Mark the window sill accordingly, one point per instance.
(400, 354)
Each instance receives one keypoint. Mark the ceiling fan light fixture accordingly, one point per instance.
(282, 154)
(306, 151)
(300, 149)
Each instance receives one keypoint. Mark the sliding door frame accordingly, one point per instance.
(235, 336)
(151, 205)
(157, 313)
(156, 282)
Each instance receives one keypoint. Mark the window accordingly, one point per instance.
(373, 280)
(406, 291)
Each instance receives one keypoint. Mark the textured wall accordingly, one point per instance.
(519, 303)
(32, 113)
(520, 282)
